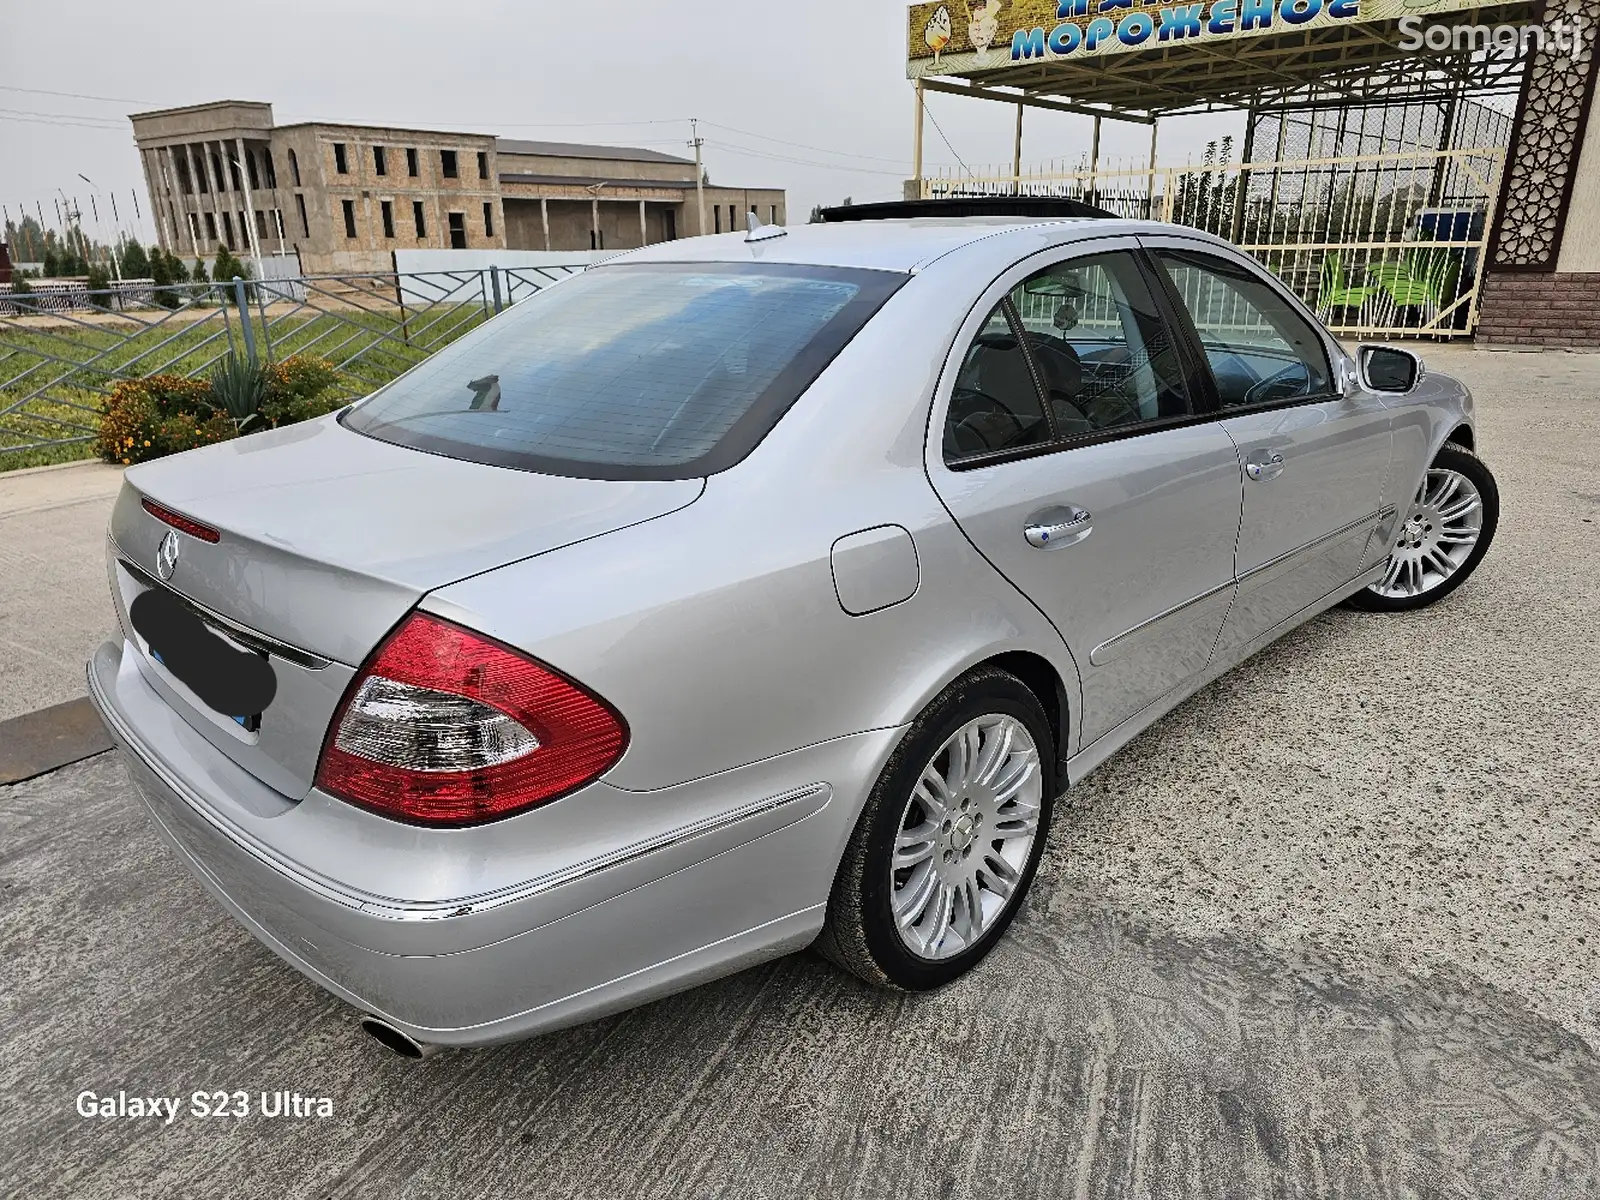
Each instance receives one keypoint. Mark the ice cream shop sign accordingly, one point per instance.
(955, 38)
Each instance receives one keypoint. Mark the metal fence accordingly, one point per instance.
(1389, 245)
(63, 349)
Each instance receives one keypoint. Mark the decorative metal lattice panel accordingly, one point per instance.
(1557, 96)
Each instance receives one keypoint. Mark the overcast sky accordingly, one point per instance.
(809, 97)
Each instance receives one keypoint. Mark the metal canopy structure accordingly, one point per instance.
(1356, 63)
(1351, 63)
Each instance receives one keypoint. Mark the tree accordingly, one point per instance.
(135, 263)
(199, 273)
(52, 262)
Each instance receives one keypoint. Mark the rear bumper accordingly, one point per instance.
(746, 880)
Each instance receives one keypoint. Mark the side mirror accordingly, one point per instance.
(1389, 369)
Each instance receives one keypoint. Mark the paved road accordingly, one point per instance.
(1329, 930)
(54, 606)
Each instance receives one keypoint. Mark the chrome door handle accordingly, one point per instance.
(1054, 528)
(1264, 465)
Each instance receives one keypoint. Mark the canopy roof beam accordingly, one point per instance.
(1028, 100)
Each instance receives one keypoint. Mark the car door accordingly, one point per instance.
(1314, 455)
(1073, 455)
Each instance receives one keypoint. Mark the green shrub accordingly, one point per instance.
(302, 387)
(238, 388)
(99, 280)
(164, 414)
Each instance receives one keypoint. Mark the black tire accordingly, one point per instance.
(1456, 458)
(859, 933)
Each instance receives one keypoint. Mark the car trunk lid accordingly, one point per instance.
(326, 539)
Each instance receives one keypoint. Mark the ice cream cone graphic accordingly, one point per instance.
(938, 32)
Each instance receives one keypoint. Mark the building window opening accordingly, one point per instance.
(227, 230)
(418, 217)
(447, 164)
(305, 225)
(194, 227)
(488, 219)
(671, 222)
(483, 164)
(772, 214)
(250, 170)
(211, 228)
(261, 224)
(271, 168)
(349, 218)
(458, 231)
(716, 217)
(341, 164)
(380, 164)
(388, 218)
(294, 168)
(411, 162)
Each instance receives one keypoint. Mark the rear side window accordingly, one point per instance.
(633, 371)
(1076, 351)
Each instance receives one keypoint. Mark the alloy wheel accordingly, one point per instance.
(965, 837)
(1440, 530)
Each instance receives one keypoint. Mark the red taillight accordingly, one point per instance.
(180, 522)
(444, 726)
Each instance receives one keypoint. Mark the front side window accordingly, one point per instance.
(1260, 350)
(1086, 336)
(341, 164)
(447, 164)
(643, 371)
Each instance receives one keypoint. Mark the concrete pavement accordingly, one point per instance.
(54, 604)
(1329, 929)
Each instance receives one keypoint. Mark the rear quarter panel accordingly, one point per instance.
(716, 630)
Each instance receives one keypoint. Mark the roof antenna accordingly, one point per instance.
(759, 232)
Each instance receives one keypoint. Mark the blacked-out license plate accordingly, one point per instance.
(236, 682)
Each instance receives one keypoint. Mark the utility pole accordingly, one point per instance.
(116, 269)
(699, 172)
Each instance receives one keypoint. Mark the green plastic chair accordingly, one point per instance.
(1335, 292)
(1421, 279)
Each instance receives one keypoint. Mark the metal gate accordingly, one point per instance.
(1382, 245)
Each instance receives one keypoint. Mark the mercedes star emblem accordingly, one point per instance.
(167, 556)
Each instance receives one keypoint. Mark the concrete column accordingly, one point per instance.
(152, 183)
(249, 205)
(1016, 155)
(644, 230)
(544, 216)
(594, 221)
(916, 145)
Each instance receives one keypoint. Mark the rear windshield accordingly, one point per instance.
(632, 371)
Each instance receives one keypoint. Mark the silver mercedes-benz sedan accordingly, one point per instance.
(745, 593)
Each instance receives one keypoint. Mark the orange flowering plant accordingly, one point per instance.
(150, 418)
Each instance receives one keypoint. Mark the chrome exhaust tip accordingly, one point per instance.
(398, 1040)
